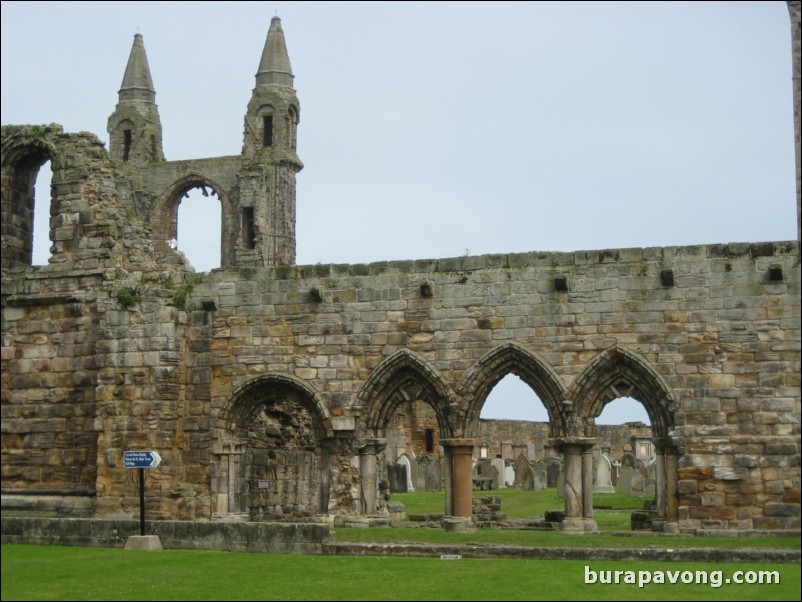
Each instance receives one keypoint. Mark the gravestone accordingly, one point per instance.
(403, 460)
(638, 485)
(520, 467)
(494, 476)
(627, 460)
(433, 476)
(625, 480)
(497, 464)
(423, 463)
(552, 472)
(509, 476)
(561, 484)
(397, 478)
(530, 452)
(604, 483)
(529, 479)
(540, 480)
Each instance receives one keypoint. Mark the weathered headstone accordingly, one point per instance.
(397, 478)
(552, 471)
(404, 460)
(604, 483)
(509, 476)
(530, 452)
(520, 467)
(494, 477)
(625, 480)
(433, 476)
(561, 484)
(638, 485)
(540, 480)
(423, 463)
(529, 479)
(497, 464)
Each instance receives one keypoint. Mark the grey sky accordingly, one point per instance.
(431, 128)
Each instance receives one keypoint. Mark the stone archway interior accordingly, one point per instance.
(280, 476)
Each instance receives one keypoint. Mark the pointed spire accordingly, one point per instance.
(274, 68)
(137, 83)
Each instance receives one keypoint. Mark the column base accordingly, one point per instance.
(459, 524)
(579, 525)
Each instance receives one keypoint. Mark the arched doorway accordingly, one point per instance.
(615, 374)
(272, 461)
(406, 413)
(544, 390)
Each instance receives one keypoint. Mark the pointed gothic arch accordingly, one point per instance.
(619, 372)
(164, 215)
(512, 358)
(404, 376)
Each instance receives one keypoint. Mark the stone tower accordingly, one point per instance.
(135, 129)
(269, 160)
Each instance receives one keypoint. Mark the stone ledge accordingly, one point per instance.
(276, 538)
(500, 551)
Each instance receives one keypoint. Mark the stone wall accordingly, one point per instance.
(716, 353)
(117, 345)
(495, 432)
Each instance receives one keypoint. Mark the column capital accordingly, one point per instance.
(573, 444)
(459, 446)
(372, 446)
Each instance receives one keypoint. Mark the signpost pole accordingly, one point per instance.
(141, 501)
(142, 460)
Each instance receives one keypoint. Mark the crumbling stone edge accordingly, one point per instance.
(319, 538)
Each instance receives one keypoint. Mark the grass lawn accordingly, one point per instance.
(62, 573)
(517, 503)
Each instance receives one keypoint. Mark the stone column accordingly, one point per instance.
(461, 451)
(672, 497)
(578, 464)
(587, 481)
(666, 465)
(369, 474)
(572, 461)
(448, 483)
(660, 483)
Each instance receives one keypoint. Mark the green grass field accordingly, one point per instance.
(61, 573)
(518, 503)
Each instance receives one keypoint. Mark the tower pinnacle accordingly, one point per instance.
(137, 82)
(135, 129)
(274, 68)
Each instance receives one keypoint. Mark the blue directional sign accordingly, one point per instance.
(141, 459)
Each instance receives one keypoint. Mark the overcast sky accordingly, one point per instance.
(428, 129)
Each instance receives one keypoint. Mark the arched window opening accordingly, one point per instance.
(42, 200)
(514, 421)
(199, 228)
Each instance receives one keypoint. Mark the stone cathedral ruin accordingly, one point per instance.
(269, 388)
